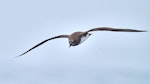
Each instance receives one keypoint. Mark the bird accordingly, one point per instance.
(79, 37)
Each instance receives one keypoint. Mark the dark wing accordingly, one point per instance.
(114, 29)
(60, 36)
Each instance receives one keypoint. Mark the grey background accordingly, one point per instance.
(105, 57)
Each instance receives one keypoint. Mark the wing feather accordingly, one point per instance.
(60, 36)
(114, 29)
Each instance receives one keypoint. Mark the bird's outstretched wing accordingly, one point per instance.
(114, 29)
(60, 36)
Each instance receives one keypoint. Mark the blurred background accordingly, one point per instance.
(104, 58)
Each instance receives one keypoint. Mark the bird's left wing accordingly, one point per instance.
(60, 36)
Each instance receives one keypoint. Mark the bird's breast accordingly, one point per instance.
(83, 38)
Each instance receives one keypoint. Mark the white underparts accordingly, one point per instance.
(83, 38)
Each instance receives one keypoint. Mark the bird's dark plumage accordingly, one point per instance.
(75, 38)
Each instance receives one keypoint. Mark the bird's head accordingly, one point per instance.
(71, 43)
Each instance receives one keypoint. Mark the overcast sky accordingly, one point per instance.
(104, 58)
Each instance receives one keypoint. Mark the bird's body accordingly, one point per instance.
(77, 38)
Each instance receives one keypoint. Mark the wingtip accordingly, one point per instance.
(139, 31)
(145, 31)
(18, 56)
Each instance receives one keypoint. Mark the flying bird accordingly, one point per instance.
(78, 37)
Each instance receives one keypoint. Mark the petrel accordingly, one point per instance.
(78, 37)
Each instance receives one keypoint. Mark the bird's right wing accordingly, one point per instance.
(114, 29)
(60, 36)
